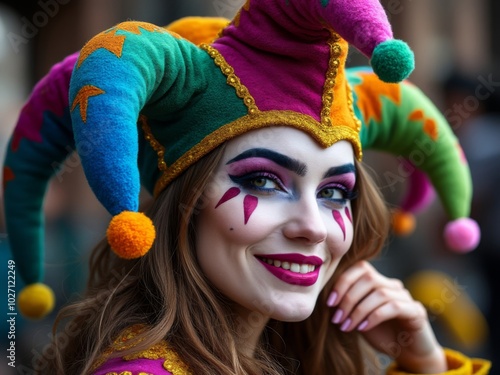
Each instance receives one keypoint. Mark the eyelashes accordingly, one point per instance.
(269, 183)
(263, 182)
(332, 192)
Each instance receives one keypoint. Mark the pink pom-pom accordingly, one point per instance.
(462, 235)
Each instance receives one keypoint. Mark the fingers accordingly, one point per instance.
(385, 312)
(408, 311)
(363, 298)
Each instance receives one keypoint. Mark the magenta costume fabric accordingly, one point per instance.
(133, 367)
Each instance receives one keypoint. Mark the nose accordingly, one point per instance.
(306, 223)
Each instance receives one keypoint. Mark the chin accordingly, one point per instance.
(294, 314)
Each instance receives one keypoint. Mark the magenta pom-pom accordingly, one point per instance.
(462, 235)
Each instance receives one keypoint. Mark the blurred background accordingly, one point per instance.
(457, 55)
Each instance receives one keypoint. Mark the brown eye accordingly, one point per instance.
(326, 193)
(331, 193)
(259, 182)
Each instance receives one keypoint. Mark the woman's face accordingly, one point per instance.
(276, 220)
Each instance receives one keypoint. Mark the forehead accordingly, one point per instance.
(293, 143)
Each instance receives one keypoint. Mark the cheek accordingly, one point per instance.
(230, 220)
(339, 220)
(216, 234)
(250, 202)
(342, 232)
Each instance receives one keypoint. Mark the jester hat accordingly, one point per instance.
(145, 104)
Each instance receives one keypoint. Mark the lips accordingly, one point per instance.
(295, 269)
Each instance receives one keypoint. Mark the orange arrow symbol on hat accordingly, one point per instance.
(82, 99)
(114, 42)
(107, 40)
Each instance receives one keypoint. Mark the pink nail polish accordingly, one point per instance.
(338, 316)
(332, 298)
(345, 325)
(363, 325)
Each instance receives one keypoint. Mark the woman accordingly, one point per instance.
(218, 291)
(263, 218)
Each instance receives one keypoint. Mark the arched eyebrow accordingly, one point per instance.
(341, 169)
(285, 161)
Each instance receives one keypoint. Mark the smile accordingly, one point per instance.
(294, 269)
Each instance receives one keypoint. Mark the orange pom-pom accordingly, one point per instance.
(131, 234)
(403, 223)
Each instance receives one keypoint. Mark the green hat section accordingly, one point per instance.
(400, 119)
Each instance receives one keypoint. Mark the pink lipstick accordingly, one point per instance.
(295, 269)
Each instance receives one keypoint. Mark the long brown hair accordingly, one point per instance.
(167, 291)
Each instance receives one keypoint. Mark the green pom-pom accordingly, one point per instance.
(393, 61)
(35, 301)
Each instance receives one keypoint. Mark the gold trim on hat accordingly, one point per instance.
(331, 75)
(324, 136)
(157, 146)
(232, 78)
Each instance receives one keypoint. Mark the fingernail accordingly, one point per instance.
(337, 317)
(345, 325)
(331, 299)
(363, 325)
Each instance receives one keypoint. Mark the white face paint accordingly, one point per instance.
(277, 221)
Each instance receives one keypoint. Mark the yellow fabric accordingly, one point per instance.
(198, 30)
(337, 98)
(451, 305)
(458, 364)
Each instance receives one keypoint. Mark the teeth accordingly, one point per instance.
(294, 267)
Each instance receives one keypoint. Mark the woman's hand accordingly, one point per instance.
(388, 317)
